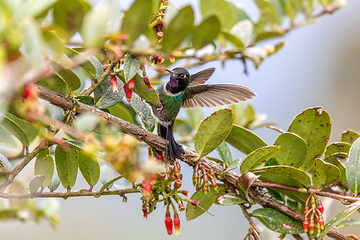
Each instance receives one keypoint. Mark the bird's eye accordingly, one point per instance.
(182, 76)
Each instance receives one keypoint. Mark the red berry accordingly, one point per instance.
(147, 82)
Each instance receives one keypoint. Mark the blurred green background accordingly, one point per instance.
(318, 66)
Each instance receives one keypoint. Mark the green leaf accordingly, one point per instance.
(131, 66)
(288, 176)
(137, 19)
(86, 100)
(231, 199)
(292, 8)
(353, 167)
(143, 91)
(239, 13)
(69, 14)
(122, 112)
(349, 136)
(66, 166)
(278, 221)
(89, 168)
(36, 183)
(258, 157)
(5, 163)
(233, 165)
(314, 126)
(244, 140)
(15, 130)
(224, 153)
(182, 127)
(55, 83)
(293, 149)
(31, 130)
(339, 218)
(349, 223)
(233, 40)
(205, 202)
(337, 147)
(54, 184)
(206, 32)
(222, 9)
(144, 112)
(324, 174)
(334, 159)
(194, 116)
(69, 76)
(213, 131)
(178, 29)
(243, 30)
(268, 15)
(104, 95)
(31, 8)
(88, 66)
(44, 166)
(326, 3)
(268, 35)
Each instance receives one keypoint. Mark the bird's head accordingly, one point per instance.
(179, 79)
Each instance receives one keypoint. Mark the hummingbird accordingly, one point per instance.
(185, 90)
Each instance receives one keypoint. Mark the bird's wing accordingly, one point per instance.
(211, 95)
(201, 77)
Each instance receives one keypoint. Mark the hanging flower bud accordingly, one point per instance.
(147, 82)
(162, 175)
(168, 223)
(159, 35)
(160, 157)
(144, 211)
(306, 224)
(159, 20)
(321, 222)
(195, 178)
(105, 67)
(320, 206)
(113, 82)
(312, 224)
(177, 224)
(30, 92)
(160, 60)
(172, 59)
(128, 93)
(131, 83)
(147, 188)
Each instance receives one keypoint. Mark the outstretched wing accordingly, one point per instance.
(211, 95)
(201, 77)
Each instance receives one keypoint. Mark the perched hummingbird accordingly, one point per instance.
(188, 91)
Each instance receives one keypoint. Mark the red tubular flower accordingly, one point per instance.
(185, 192)
(147, 82)
(312, 224)
(128, 93)
(168, 223)
(306, 224)
(181, 208)
(177, 224)
(113, 82)
(321, 222)
(177, 184)
(172, 59)
(131, 83)
(144, 211)
(195, 203)
(320, 206)
(105, 67)
(160, 157)
(31, 91)
(147, 188)
(195, 178)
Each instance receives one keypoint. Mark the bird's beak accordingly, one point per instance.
(169, 71)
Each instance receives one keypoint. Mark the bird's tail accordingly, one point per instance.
(173, 148)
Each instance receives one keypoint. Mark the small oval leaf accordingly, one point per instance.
(44, 166)
(131, 66)
(293, 150)
(224, 152)
(257, 158)
(231, 199)
(36, 183)
(324, 174)
(66, 166)
(89, 168)
(213, 131)
(244, 140)
(337, 147)
(278, 221)
(349, 136)
(353, 167)
(206, 32)
(205, 202)
(144, 112)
